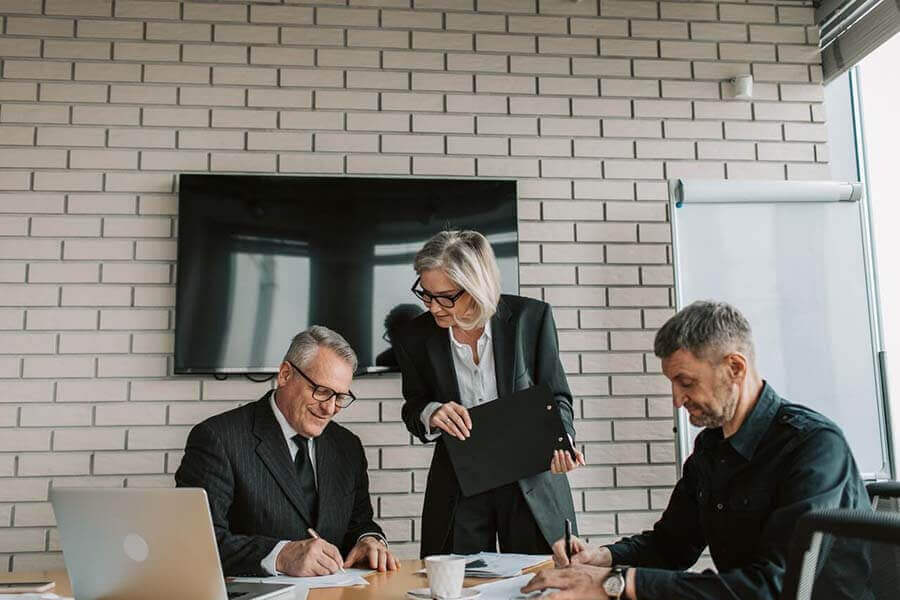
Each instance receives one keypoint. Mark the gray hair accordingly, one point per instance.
(306, 344)
(707, 329)
(468, 260)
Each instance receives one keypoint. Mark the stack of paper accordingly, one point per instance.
(495, 564)
(510, 589)
(504, 590)
(33, 596)
(346, 578)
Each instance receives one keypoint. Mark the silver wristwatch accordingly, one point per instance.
(614, 584)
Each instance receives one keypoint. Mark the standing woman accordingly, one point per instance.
(472, 346)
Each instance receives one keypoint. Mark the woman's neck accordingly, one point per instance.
(467, 336)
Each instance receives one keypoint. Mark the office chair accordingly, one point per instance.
(885, 496)
(844, 554)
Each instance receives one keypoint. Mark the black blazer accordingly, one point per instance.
(242, 461)
(526, 353)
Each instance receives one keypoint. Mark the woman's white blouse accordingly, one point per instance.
(477, 383)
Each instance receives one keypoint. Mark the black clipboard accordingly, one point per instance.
(512, 438)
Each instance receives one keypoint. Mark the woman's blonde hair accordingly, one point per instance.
(468, 260)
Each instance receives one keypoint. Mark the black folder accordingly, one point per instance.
(512, 438)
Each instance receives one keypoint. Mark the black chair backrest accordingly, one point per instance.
(885, 496)
(843, 554)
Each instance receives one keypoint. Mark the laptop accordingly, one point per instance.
(145, 544)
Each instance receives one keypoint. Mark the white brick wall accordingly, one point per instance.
(590, 105)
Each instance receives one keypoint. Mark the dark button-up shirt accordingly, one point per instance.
(741, 496)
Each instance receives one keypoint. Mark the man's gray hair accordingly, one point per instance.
(306, 344)
(707, 329)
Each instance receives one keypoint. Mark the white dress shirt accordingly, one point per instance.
(269, 562)
(288, 432)
(477, 383)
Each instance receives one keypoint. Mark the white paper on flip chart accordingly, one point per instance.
(349, 577)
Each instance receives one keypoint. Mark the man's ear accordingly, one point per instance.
(737, 365)
(284, 373)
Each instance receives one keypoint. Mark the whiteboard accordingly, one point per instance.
(799, 271)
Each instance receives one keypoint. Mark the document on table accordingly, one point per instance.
(495, 564)
(504, 589)
(349, 577)
(33, 596)
(510, 589)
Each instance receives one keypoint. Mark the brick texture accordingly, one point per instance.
(589, 105)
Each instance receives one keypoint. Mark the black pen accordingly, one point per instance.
(569, 541)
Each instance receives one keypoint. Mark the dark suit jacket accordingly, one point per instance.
(526, 353)
(241, 459)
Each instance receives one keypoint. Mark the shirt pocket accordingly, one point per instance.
(746, 512)
(742, 516)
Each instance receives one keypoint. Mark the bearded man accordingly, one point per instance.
(759, 464)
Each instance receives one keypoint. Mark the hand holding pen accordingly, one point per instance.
(577, 552)
(312, 532)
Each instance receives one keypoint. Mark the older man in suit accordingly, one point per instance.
(288, 488)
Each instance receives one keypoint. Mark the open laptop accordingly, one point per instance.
(145, 544)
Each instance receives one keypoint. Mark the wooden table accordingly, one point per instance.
(382, 586)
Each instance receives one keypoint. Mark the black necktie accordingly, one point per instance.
(307, 477)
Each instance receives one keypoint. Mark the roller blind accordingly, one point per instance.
(851, 29)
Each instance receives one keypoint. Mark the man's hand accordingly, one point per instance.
(452, 418)
(578, 582)
(582, 554)
(562, 461)
(306, 558)
(369, 551)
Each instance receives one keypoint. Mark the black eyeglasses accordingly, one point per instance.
(324, 394)
(428, 297)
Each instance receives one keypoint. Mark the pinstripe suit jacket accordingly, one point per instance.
(242, 461)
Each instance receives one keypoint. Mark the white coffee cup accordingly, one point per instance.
(445, 575)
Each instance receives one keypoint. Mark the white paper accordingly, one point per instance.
(505, 565)
(504, 589)
(501, 565)
(349, 577)
(510, 589)
(33, 596)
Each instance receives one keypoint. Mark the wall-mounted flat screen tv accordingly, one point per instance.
(263, 257)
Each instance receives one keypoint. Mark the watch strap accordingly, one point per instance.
(624, 595)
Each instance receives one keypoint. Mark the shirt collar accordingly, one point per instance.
(755, 426)
(286, 430)
(485, 335)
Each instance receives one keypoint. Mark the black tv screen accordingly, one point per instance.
(261, 258)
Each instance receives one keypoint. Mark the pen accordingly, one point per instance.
(313, 533)
(569, 541)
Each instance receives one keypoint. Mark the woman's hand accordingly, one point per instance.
(452, 418)
(562, 461)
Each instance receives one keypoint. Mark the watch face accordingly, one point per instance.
(614, 585)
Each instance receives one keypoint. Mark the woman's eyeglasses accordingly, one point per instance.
(428, 297)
